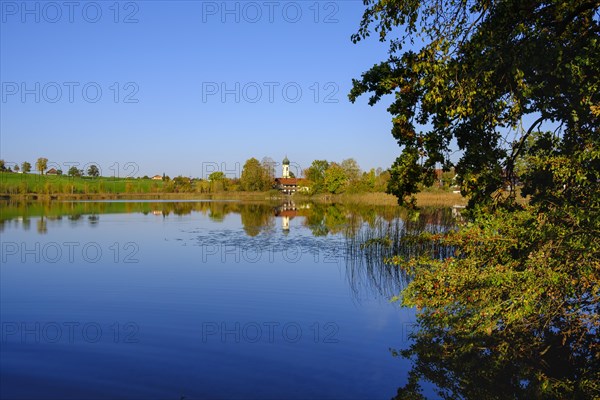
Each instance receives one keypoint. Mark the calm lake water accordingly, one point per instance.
(165, 300)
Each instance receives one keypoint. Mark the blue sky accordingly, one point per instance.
(187, 86)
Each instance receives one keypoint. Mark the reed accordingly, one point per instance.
(368, 248)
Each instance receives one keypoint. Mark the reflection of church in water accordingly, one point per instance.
(287, 211)
(288, 184)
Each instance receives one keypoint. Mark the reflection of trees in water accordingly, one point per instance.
(371, 239)
(42, 226)
(315, 221)
(321, 219)
(516, 361)
(325, 219)
(511, 364)
(257, 218)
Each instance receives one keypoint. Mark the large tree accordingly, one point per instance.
(352, 169)
(336, 179)
(515, 85)
(216, 176)
(269, 165)
(316, 174)
(41, 164)
(255, 177)
(25, 167)
(74, 172)
(485, 75)
(93, 171)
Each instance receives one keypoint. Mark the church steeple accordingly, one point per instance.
(286, 168)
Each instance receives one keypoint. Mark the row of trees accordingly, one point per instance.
(41, 165)
(332, 177)
(257, 176)
(321, 177)
(25, 167)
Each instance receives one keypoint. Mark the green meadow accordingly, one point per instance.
(21, 184)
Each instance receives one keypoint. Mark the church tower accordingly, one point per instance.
(286, 168)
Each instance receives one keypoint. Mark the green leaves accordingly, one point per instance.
(521, 297)
(481, 67)
(524, 289)
(255, 176)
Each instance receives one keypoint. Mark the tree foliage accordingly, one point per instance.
(331, 177)
(335, 180)
(482, 71)
(269, 165)
(93, 171)
(216, 176)
(351, 169)
(41, 164)
(316, 174)
(26, 167)
(522, 290)
(74, 172)
(516, 86)
(256, 176)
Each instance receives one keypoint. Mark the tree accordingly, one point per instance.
(2, 165)
(269, 165)
(382, 180)
(522, 293)
(484, 70)
(368, 181)
(352, 169)
(182, 184)
(335, 179)
(41, 165)
(254, 176)
(74, 172)
(16, 168)
(216, 176)
(93, 171)
(26, 167)
(316, 174)
(217, 181)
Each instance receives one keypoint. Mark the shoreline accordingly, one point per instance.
(426, 199)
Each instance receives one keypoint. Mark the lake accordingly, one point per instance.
(200, 299)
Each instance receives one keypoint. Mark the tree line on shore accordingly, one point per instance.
(321, 176)
(41, 166)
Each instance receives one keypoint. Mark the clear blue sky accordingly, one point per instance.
(175, 61)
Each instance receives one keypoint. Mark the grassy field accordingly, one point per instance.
(14, 184)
